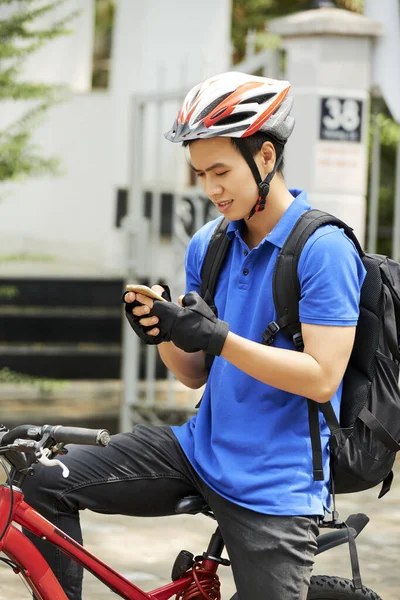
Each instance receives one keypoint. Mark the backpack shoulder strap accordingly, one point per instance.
(285, 283)
(213, 261)
(286, 293)
(212, 264)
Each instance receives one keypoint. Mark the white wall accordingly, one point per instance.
(66, 225)
(64, 60)
(69, 62)
(66, 218)
(161, 47)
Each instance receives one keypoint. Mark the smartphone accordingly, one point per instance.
(145, 290)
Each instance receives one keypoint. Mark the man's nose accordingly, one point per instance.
(213, 189)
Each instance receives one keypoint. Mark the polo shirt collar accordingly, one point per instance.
(285, 224)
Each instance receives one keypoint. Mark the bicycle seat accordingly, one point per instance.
(191, 505)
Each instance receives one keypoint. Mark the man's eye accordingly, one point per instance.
(199, 174)
(220, 174)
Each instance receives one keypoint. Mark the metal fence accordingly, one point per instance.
(163, 213)
(373, 199)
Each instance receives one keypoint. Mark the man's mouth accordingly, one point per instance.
(224, 206)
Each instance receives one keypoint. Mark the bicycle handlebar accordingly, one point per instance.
(21, 431)
(60, 434)
(80, 435)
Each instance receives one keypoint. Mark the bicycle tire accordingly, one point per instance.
(325, 587)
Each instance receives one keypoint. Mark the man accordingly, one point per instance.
(248, 450)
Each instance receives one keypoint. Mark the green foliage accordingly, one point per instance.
(27, 257)
(8, 292)
(104, 21)
(19, 156)
(254, 14)
(389, 135)
(44, 385)
(389, 131)
(20, 36)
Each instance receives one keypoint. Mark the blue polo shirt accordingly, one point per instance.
(249, 441)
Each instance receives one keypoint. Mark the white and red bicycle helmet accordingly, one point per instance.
(237, 105)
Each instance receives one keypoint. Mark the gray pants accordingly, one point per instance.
(145, 473)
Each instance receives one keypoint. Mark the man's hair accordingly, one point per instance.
(254, 144)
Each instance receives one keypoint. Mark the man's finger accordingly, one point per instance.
(158, 289)
(130, 297)
(140, 310)
(147, 322)
(153, 332)
(145, 300)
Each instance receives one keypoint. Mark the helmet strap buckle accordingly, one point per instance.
(264, 189)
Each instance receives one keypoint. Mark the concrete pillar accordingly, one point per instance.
(328, 54)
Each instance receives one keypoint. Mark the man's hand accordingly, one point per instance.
(192, 326)
(137, 309)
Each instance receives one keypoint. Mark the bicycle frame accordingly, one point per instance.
(36, 571)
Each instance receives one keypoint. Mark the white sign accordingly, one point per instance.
(340, 167)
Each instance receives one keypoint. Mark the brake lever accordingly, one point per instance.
(51, 462)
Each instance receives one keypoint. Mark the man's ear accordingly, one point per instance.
(268, 157)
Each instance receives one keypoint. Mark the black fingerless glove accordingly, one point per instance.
(134, 321)
(191, 327)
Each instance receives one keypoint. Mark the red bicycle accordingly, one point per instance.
(193, 577)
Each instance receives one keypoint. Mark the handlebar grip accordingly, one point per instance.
(80, 435)
(66, 435)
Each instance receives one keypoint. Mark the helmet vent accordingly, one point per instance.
(236, 118)
(259, 99)
(196, 94)
(219, 112)
(210, 107)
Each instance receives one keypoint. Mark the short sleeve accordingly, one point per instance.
(331, 274)
(192, 267)
(195, 254)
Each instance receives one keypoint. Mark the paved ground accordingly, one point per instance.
(144, 549)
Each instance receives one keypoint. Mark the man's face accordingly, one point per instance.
(224, 176)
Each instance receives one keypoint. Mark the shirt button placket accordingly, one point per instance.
(245, 270)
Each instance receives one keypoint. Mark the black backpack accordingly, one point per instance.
(364, 443)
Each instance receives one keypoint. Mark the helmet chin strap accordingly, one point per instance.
(263, 185)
